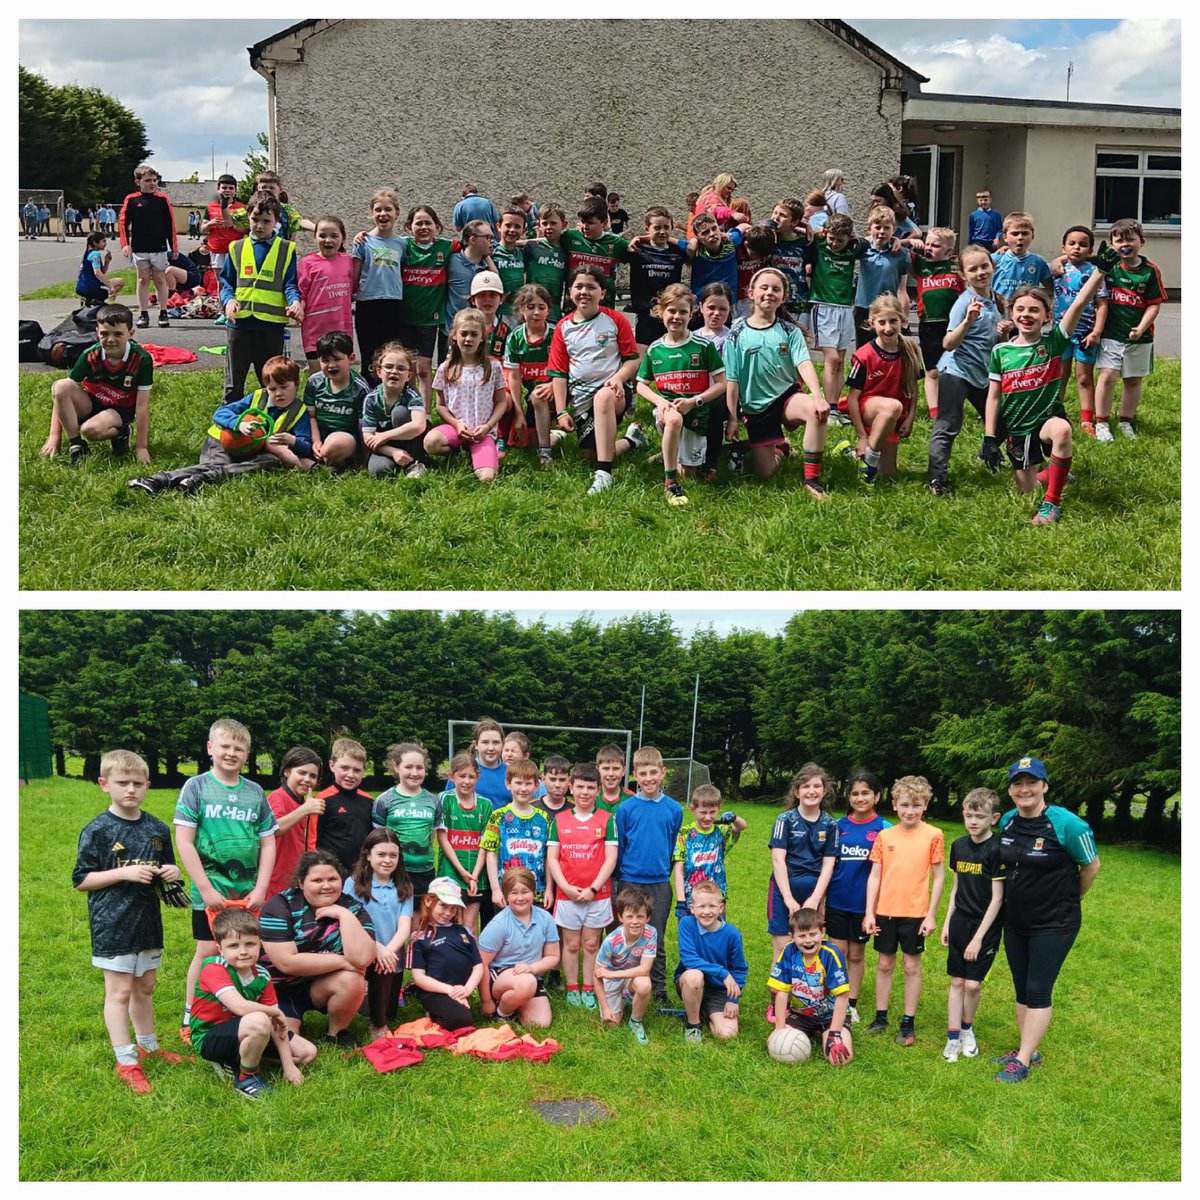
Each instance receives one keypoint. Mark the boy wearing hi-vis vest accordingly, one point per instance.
(265, 429)
(259, 294)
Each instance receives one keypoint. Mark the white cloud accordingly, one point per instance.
(1138, 62)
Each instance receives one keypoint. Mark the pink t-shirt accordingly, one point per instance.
(325, 285)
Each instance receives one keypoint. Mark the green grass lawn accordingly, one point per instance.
(1105, 1106)
(66, 289)
(537, 530)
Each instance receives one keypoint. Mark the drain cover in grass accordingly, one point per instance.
(572, 1112)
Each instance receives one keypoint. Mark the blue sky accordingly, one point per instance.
(192, 85)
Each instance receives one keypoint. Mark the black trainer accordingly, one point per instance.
(150, 484)
(143, 321)
(78, 452)
(120, 442)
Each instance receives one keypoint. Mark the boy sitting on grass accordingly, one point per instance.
(124, 857)
(263, 430)
(236, 1018)
(107, 390)
(712, 966)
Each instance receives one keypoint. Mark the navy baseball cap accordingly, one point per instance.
(1028, 766)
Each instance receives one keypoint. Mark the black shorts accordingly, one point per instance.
(714, 999)
(962, 930)
(201, 929)
(295, 999)
(420, 339)
(585, 424)
(220, 1045)
(899, 931)
(494, 973)
(1025, 451)
(930, 335)
(126, 414)
(648, 329)
(844, 926)
(809, 1025)
(766, 428)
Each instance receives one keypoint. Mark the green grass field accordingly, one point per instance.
(1106, 1106)
(66, 289)
(537, 530)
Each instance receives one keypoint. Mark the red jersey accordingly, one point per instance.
(581, 843)
(219, 237)
(875, 372)
(289, 845)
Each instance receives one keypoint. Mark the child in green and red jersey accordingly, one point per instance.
(546, 257)
(610, 762)
(1135, 294)
(1024, 391)
(832, 253)
(526, 359)
(681, 375)
(593, 244)
(423, 305)
(107, 390)
(509, 257)
(939, 285)
(463, 817)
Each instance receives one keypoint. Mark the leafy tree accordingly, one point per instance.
(256, 161)
(78, 139)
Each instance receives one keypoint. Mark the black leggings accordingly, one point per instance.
(447, 1013)
(1035, 960)
(383, 995)
(375, 322)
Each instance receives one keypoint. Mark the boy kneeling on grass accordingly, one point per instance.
(236, 1018)
(107, 390)
(263, 430)
(712, 966)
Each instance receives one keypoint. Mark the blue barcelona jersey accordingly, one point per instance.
(848, 887)
(815, 985)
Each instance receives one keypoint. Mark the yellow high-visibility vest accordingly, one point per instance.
(288, 419)
(259, 290)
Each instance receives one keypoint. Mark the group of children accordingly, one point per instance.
(322, 900)
(534, 348)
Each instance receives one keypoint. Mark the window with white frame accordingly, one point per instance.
(1144, 184)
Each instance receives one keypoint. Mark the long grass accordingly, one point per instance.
(538, 530)
(1105, 1106)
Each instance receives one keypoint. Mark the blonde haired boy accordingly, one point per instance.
(901, 910)
(226, 834)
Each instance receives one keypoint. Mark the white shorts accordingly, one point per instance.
(805, 321)
(616, 992)
(583, 914)
(150, 262)
(835, 326)
(131, 964)
(692, 445)
(218, 261)
(1135, 360)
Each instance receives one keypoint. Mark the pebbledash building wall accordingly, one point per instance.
(636, 104)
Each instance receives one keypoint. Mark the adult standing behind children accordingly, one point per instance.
(1048, 861)
(474, 207)
(834, 197)
(715, 200)
(648, 826)
(319, 941)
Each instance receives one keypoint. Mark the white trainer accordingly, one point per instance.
(951, 1050)
(1103, 432)
(970, 1047)
(601, 481)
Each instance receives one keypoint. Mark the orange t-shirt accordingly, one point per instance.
(906, 858)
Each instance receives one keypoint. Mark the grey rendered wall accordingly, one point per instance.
(654, 109)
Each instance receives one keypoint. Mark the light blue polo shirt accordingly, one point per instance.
(385, 908)
(970, 360)
(514, 942)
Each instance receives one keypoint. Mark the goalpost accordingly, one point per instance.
(52, 198)
(581, 756)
